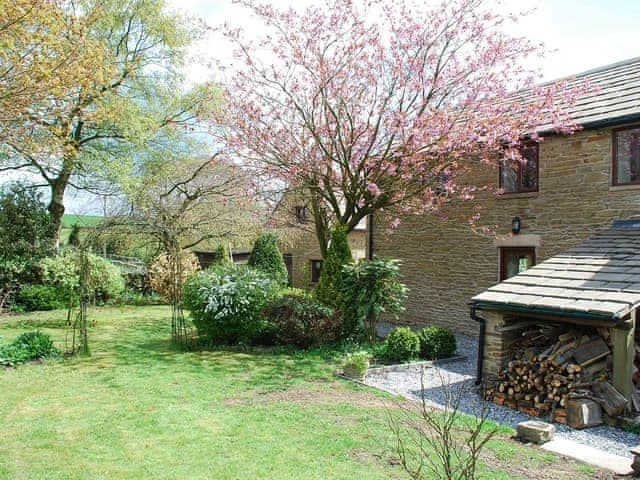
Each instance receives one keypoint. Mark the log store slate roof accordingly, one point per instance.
(600, 277)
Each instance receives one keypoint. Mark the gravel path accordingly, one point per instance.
(460, 374)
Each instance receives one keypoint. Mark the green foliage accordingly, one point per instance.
(330, 287)
(222, 256)
(25, 225)
(105, 279)
(41, 297)
(28, 346)
(355, 364)
(74, 235)
(131, 296)
(402, 344)
(300, 320)
(266, 256)
(226, 303)
(371, 287)
(436, 342)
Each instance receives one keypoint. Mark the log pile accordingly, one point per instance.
(549, 368)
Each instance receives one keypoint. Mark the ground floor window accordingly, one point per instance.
(316, 268)
(514, 260)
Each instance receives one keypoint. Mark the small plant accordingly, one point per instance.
(371, 287)
(267, 258)
(27, 346)
(300, 321)
(402, 344)
(436, 342)
(355, 364)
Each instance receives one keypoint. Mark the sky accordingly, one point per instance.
(580, 35)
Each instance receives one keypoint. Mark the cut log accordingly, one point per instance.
(591, 352)
(612, 401)
(583, 413)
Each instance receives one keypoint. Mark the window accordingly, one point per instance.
(302, 214)
(626, 156)
(514, 260)
(316, 268)
(521, 175)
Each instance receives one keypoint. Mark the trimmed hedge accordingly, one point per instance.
(330, 289)
(402, 344)
(267, 258)
(41, 297)
(436, 342)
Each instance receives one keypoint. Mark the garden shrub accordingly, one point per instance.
(355, 364)
(27, 346)
(161, 276)
(436, 342)
(41, 297)
(105, 279)
(370, 288)
(330, 287)
(300, 320)
(402, 344)
(226, 303)
(266, 257)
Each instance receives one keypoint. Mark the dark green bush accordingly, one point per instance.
(436, 342)
(266, 257)
(27, 346)
(300, 321)
(402, 344)
(41, 297)
(226, 303)
(330, 288)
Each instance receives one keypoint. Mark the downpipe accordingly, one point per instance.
(483, 327)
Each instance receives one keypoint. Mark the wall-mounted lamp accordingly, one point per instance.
(516, 223)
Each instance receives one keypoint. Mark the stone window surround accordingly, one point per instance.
(520, 240)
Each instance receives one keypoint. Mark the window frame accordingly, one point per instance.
(519, 180)
(301, 213)
(313, 270)
(503, 252)
(614, 155)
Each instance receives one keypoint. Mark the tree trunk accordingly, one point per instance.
(56, 210)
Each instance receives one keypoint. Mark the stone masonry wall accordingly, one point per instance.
(445, 262)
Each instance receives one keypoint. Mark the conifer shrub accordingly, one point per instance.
(267, 258)
(330, 289)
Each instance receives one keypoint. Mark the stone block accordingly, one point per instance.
(583, 413)
(535, 431)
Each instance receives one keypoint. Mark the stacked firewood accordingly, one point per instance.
(544, 375)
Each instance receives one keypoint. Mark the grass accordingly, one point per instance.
(140, 409)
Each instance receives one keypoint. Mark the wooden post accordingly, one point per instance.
(623, 354)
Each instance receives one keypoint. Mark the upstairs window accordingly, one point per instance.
(302, 214)
(626, 156)
(521, 175)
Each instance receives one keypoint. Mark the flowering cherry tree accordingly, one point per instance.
(376, 105)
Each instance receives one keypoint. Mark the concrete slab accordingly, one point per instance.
(608, 461)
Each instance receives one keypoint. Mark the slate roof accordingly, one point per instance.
(615, 97)
(600, 277)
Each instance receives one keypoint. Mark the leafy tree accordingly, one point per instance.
(368, 105)
(25, 224)
(96, 126)
(222, 255)
(266, 256)
(330, 287)
(25, 238)
(74, 235)
(372, 287)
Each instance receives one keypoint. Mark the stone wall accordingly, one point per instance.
(446, 262)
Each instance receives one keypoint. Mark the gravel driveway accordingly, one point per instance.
(462, 373)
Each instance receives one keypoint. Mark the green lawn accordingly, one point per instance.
(139, 409)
